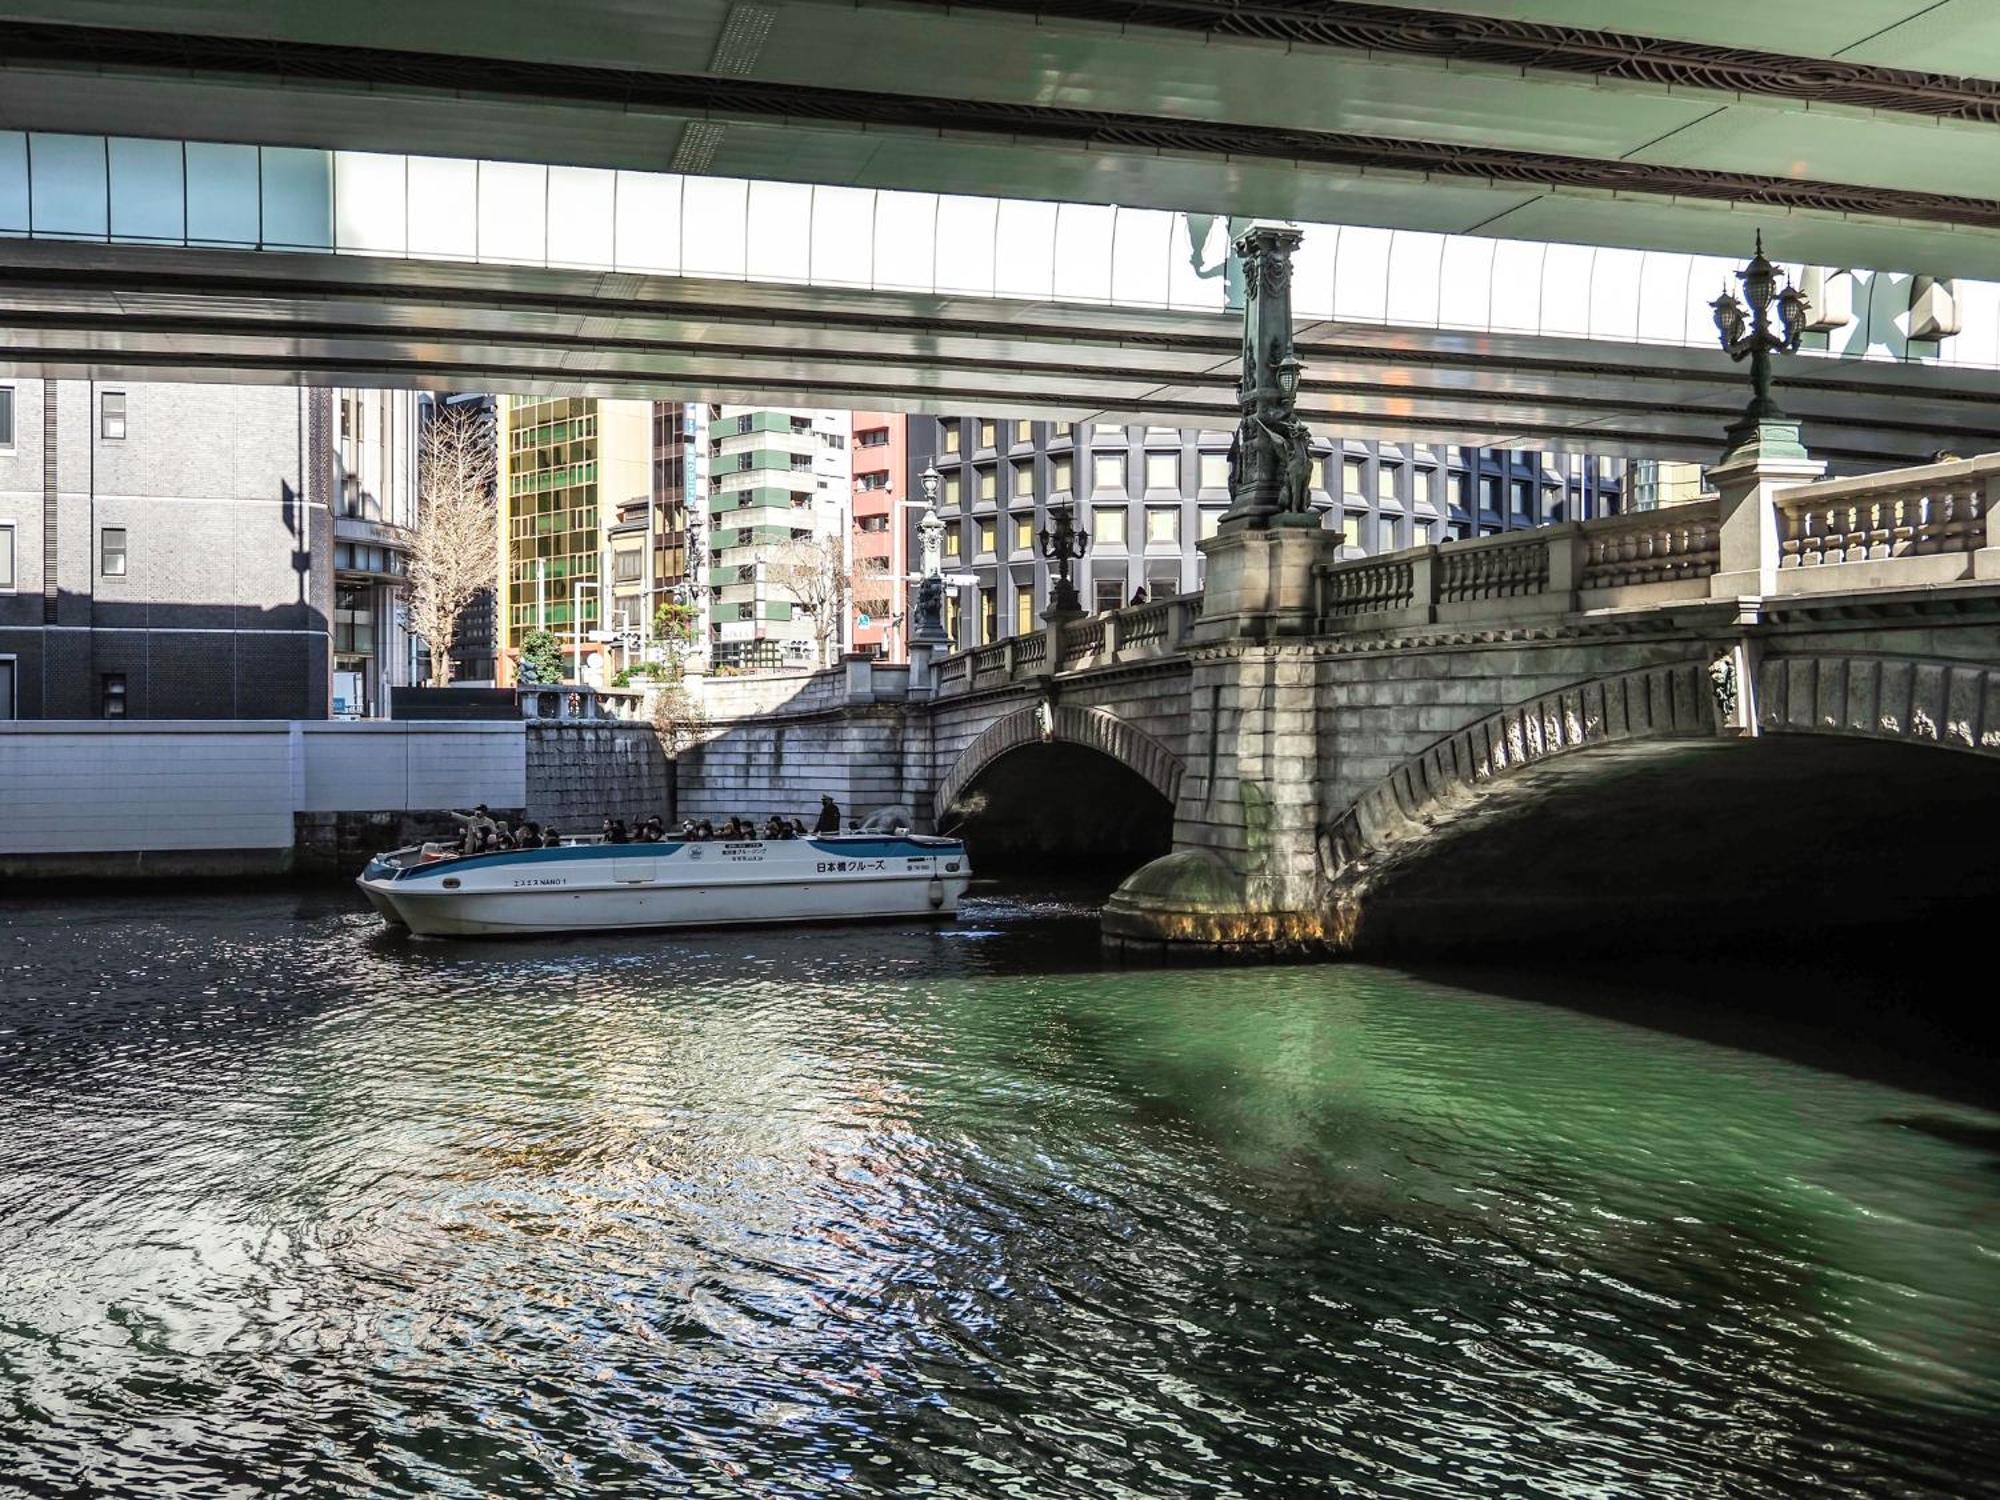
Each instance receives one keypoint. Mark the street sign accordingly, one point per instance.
(961, 580)
(864, 619)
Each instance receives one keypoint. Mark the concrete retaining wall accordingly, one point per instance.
(578, 774)
(200, 797)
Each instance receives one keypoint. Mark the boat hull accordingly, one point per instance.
(629, 887)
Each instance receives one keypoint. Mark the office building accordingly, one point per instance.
(881, 479)
(168, 551)
(1655, 482)
(780, 483)
(1147, 495)
(573, 469)
(375, 506)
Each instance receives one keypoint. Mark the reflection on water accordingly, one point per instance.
(287, 1200)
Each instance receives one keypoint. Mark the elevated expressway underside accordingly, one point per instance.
(1855, 132)
(117, 312)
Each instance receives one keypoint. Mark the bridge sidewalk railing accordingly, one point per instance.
(1138, 633)
(1906, 528)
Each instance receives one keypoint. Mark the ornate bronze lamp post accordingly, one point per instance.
(1270, 458)
(1062, 546)
(1764, 427)
(928, 629)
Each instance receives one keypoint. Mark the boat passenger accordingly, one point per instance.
(552, 840)
(705, 830)
(829, 815)
(614, 831)
(477, 824)
(529, 836)
(774, 827)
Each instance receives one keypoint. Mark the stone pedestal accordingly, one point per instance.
(1764, 458)
(1245, 876)
(1260, 584)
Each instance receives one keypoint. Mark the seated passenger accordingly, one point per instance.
(529, 836)
(477, 824)
(552, 840)
(705, 830)
(614, 831)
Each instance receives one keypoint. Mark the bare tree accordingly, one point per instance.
(454, 548)
(813, 570)
(680, 721)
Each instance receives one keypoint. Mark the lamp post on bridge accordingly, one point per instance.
(1270, 457)
(1062, 546)
(1764, 428)
(1764, 453)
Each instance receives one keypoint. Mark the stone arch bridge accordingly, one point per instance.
(1672, 714)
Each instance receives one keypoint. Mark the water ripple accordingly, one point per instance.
(292, 1207)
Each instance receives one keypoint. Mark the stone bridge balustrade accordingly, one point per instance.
(568, 701)
(1120, 637)
(1935, 524)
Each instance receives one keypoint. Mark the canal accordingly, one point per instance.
(289, 1205)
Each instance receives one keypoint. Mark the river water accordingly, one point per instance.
(292, 1206)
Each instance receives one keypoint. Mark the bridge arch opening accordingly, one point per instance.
(1060, 808)
(1873, 850)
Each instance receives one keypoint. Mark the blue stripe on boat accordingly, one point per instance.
(846, 847)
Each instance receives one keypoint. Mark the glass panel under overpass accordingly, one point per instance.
(201, 194)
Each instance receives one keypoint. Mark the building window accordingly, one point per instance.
(626, 564)
(111, 552)
(1024, 532)
(873, 437)
(1350, 478)
(1489, 493)
(989, 484)
(1385, 482)
(1107, 526)
(1163, 471)
(1060, 470)
(1421, 534)
(1163, 581)
(1163, 526)
(1024, 479)
(1427, 487)
(1522, 501)
(1215, 471)
(1024, 432)
(1107, 471)
(989, 537)
(112, 694)
(950, 437)
(7, 558)
(989, 433)
(1385, 533)
(1107, 592)
(1024, 609)
(111, 415)
(1211, 518)
(954, 490)
(989, 615)
(1061, 429)
(6, 416)
(1350, 529)
(951, 541)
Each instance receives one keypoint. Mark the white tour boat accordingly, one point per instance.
(592, 886)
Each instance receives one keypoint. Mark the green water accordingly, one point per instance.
(290, 1206)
